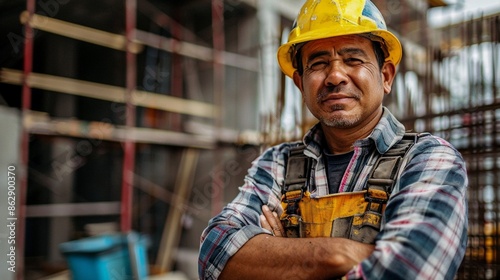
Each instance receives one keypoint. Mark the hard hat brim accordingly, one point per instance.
(285, 57)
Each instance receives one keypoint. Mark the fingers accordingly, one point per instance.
(270, 221)
(265, 224)
(278, 221)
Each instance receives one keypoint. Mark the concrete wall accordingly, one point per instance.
(10, 127)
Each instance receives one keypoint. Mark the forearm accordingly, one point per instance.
(268, 257)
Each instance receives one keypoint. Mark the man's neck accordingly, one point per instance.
(341, 140)
(341, 143)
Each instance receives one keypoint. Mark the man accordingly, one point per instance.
(343, 60)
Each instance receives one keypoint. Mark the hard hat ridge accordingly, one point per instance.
(370, 11)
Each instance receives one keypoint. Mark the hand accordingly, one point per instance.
(270, 221)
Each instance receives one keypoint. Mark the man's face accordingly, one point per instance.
(342, 83)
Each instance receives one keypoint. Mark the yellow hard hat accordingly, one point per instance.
(319, 19)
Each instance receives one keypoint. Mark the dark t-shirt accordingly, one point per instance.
(335, 168)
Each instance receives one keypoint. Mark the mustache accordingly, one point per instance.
(328, 90)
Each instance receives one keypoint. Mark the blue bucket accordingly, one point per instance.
(107, 257)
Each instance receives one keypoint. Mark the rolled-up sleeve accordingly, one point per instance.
(239, 221)
(424, 234)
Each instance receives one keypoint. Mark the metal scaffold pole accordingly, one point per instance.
(218, 78)
(129, 144)
(26, 106)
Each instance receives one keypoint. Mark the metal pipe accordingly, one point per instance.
(218, 87)
(129, 144)
(176, 74)
(26, 106)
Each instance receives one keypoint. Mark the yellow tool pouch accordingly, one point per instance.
(353, 215)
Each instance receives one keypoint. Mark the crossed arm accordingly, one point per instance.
(275, 257)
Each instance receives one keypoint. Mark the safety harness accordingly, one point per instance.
(353, 215)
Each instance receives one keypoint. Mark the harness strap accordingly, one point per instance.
(297, 175)
(387, 166)
(380, 180)
(296, 184)
(384, 173)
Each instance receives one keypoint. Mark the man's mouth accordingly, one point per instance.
(336, 93)
(336, 98)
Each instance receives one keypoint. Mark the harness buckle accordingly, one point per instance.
(291, 224)
(293, 196)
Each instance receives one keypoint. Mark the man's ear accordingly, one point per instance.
(388, 74)
(297, 80)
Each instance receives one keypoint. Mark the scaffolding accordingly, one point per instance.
(173, 119)
(140, 111)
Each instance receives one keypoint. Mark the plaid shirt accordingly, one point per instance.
(424, 227)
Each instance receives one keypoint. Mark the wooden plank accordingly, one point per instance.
(39, 123)
(196, 51)
(175, 46)
(79, 32)
(118, 42)
(146, 135)
(172, 228)
(73, 209)
(109, 93)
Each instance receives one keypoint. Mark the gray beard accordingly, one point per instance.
(339, 122)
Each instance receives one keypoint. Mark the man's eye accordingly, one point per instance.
(353, 61)
(318, 65)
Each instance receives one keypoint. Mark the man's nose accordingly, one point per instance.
(336, 73)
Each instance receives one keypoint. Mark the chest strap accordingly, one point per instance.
(381, 179)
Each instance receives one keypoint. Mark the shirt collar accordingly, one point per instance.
(386, 133)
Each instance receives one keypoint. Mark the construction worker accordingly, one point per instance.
(380, 203)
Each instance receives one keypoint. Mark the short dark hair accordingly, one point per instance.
(377, 48)
(379, 53)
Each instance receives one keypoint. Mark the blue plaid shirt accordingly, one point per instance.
(424, 227)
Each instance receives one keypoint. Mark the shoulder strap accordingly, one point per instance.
(387, 166)
(296, 178)
(383, 176)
